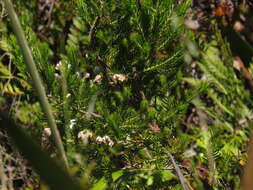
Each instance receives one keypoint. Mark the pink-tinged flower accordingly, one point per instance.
(238, 26)
(119, 77)
(106, 140)
(47, 131)
(111, 143)
(99, 139)
(97, 79)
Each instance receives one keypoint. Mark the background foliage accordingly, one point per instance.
(129, 83)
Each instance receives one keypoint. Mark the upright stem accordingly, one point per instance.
(247, 183)
(66, 112)
(209, 151)
(36, 79)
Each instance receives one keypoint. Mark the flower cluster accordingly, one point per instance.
(116, 78)
(97, 79)
(119, 78)
(59, 66)
(84, 134)
(106, 140)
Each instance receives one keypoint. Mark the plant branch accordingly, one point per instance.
(92, 29)
(179, 173)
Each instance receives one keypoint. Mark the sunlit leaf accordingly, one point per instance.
(100, 185)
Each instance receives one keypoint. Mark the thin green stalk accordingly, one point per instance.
(66, 111)
(36, 79)
(207, 140)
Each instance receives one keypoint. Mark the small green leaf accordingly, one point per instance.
(167, 175)
(144, 105)
(116, 175)
(100, 185)
(79, 24)
(150, 180)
